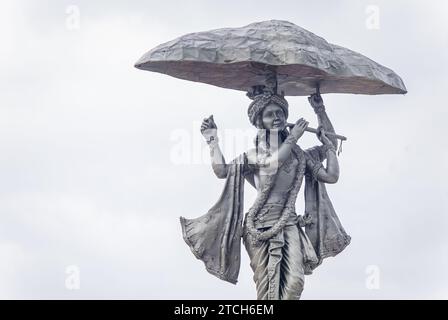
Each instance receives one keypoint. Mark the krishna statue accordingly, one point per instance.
(282, 246)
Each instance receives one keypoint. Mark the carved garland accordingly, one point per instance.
(259, 236)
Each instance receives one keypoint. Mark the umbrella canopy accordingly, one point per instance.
(241, 58)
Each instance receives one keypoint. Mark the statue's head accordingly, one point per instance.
(268, 112)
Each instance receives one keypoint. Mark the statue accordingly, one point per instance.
(270, 60)
(280, 251)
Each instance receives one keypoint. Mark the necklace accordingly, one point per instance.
(259, 236)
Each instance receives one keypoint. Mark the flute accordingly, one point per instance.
(328, 134)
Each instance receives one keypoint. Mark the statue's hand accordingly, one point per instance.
(209, 129)
(316, 102)
(323, 138)
(304, 220)
(299, 128)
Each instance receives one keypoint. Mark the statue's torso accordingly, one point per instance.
(275, 203)
(283, 182)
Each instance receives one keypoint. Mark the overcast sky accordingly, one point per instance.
(89, 188)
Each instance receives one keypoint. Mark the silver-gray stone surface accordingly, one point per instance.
(239, 58)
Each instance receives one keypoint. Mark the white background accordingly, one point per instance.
(86, 171)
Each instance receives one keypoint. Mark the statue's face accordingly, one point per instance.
(273, 117)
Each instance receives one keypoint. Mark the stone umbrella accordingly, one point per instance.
(296, 59)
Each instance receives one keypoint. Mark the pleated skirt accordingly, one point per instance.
(278, 265)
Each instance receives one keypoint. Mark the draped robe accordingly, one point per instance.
(215, 237)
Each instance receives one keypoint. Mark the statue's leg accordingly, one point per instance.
(259, 259)
(292, 276)
(277, 265)
(266, 260)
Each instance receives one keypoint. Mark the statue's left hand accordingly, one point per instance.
(323, 138)
(304, 220)
(316, 101)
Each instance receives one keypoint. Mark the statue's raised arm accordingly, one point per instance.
(317, 103)
(210, 132)
(327, 150)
